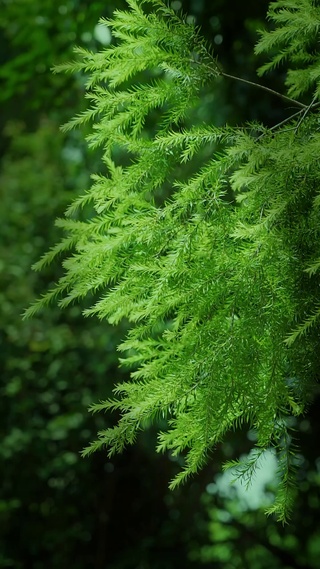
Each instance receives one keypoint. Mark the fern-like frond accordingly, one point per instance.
(292, 41)
(304, 328)
(201, 242)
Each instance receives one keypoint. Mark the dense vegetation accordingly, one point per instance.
(57, 364)
(219, 277)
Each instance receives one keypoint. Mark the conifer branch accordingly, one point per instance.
(214, 293)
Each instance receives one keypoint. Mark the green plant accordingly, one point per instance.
(216, 267)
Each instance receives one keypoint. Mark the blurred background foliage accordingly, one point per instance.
(56, 509)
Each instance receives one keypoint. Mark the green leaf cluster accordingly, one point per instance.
(216, 270)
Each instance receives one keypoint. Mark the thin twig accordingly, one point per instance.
(217, 70)
(304, 111)
(309, 107)
(267, 89)
(280, 124)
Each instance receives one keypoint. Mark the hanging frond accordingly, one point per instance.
(207, 264)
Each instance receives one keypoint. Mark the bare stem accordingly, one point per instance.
(304, 111)
(267, 89)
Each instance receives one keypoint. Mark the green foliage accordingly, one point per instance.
(49, 372)
(294, 40)
(216, 269)
(33, 37)
(266, 545)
